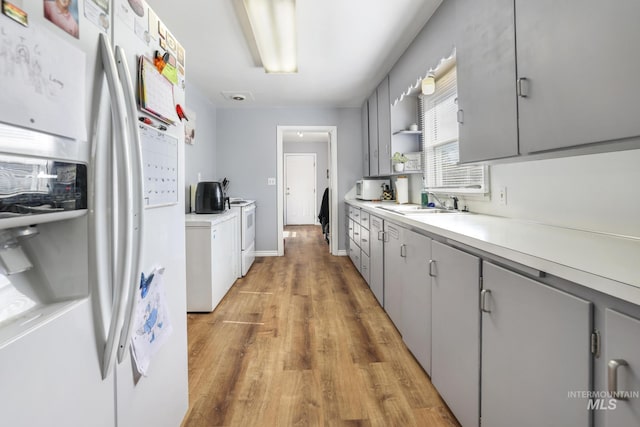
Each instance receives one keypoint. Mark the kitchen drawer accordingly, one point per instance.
(354, 254)
(356, 233)
(364, 267)
(350, 225)
(364, 219)
(364, 240)
(356, 215)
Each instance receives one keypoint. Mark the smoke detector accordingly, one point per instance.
(237, 96)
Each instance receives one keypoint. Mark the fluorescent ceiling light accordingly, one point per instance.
(274, 27)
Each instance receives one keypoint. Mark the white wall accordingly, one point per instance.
(599, 192)
(201, 156)
(246, 155)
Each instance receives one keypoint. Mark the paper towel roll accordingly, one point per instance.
(402, 190)
(192, 200)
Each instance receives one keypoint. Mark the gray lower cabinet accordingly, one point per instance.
(535, 351)
(393, 272)
(622, 353)
(376, 257)
(455, 339)
(354, 254)
(407, 290)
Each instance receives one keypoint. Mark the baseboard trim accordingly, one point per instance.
(342, 252)
(266, 253)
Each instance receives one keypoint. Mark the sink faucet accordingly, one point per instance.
(442, 205)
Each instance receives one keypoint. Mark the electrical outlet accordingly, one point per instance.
(271, 181)
(502, 195)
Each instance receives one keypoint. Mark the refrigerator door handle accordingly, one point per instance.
(135, 147)
(125, 203)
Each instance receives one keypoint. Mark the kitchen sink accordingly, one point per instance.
(415, 210)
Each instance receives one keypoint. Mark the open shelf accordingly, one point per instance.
(407, 132)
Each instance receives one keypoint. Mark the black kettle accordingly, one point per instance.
(209, 197)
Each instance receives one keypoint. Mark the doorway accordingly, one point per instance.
(300, 207)
(331, 138)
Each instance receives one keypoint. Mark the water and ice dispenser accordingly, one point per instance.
(43, 240)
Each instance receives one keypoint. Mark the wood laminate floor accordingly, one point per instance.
(302, 341)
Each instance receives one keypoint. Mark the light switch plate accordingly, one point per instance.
(271, 181)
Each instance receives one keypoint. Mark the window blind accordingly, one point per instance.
(438, 113)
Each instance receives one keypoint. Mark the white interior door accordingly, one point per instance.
(300, 189)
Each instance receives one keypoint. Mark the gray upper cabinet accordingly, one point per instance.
(379, 130)
(384, 128)
(535, 350)
(365, 138)
(571, 83)
(372, 109)
(455, 337)
(622, 353)
(581, 68)
(487, 102)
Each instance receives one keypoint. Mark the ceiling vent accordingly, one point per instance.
(237, 96)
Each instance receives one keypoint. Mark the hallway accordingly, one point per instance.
(301, 341)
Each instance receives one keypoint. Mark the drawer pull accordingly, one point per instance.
(483, 300)
(523, 87)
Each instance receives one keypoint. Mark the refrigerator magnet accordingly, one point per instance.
(14, 12)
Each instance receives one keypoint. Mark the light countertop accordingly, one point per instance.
(207, 220)
(604, 262)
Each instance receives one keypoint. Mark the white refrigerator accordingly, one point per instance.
(84, 213)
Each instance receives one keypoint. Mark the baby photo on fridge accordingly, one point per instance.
(64, 14)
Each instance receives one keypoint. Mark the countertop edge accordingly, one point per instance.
(206, 220)
(625, 291)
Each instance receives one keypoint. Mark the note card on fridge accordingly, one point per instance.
(156, 93)
(152, 325)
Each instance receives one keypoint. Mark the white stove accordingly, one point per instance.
(247, 210)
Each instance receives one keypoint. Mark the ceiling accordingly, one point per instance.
(345, 48)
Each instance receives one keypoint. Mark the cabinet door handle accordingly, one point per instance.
(460, 116)
(612, 374)
(403, 251)
(432, 268)
(483, 300)
(364, 240)
(523, 87)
